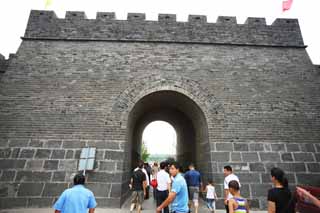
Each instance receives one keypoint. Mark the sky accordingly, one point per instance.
(160, 138)
(14, 14)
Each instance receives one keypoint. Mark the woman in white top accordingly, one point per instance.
(211, 196)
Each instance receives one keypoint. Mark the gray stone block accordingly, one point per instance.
(18, 142)
(30, 189)
(240, 147)
(224, 147)
(220, 156)
(277, 147)
(59, 176)
(12, 164)
(40, 202)
(15, 152)
(34, 164)
(5, 153)
(54, 189)
(260, 190)
(10, 203)
(286, 157)
(115, 190)
(303, 157)
(293, 147)
(35, 143)
(307, 147)
(73, 144)
(256, 147)
(29, 176)
(68, 165)
(8, 176)
(107, 166)
(245, 190)
(250, 156)
(99, 189)
(52, 144)
(26, 153)
(256, 167)
(8, 189)
(317, 156)
(114, 155)
(70, 154)
(254, 203)
(313, 167)
(292, 167)
(51, 164)
(269, 157)
(249, 177)
(236, 157)
(43, 153)
(58, 154)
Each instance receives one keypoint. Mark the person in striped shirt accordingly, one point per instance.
(237, 204)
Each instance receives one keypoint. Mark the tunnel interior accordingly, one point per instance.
(184, 115)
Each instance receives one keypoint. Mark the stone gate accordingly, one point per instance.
(246, 95)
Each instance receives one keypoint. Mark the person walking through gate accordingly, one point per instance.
(154, 172)
(193, 179)
(211, 196)
(138, 184)
(179, 192)
(229, 176)
(237, 204)
(76, 199)
(163, 187)
(280, 199)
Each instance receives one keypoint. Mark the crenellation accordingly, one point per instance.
(106, 16)
(136, 17)
(75, 26)
(228, 20)
(256, 21)
(197, 19)
(3, 63)
(167, 18)
(75, 15)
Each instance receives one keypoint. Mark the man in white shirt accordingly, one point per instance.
(163, 187)
(229, 176)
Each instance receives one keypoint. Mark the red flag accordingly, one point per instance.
(286, 5)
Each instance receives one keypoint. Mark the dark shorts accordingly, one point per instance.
(137, 197)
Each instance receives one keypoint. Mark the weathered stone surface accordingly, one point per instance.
(220, 156)
(11, 164)
(250, 157)
(51, 164)
(269, 157)
(43, 153)
(7, 175)
(241, 147)
(303, 157)
(286, 157)
(27, 176)
(224, 147)
(54, 189)
(30, 189)
(58, 154)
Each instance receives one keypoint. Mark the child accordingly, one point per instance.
(237, 204)
(211, 196)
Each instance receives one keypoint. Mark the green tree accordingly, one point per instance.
(144, 152)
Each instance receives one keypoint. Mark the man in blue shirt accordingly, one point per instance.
(77, 199)
(179, 192)
(193, 179)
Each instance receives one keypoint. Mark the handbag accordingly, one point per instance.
(154, 183)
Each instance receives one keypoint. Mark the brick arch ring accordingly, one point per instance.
(145, 85)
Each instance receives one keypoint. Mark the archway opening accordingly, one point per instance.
(185, 116)
(159, 142)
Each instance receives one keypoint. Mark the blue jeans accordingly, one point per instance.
(211, 204)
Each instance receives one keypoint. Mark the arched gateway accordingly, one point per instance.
(246, 95)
